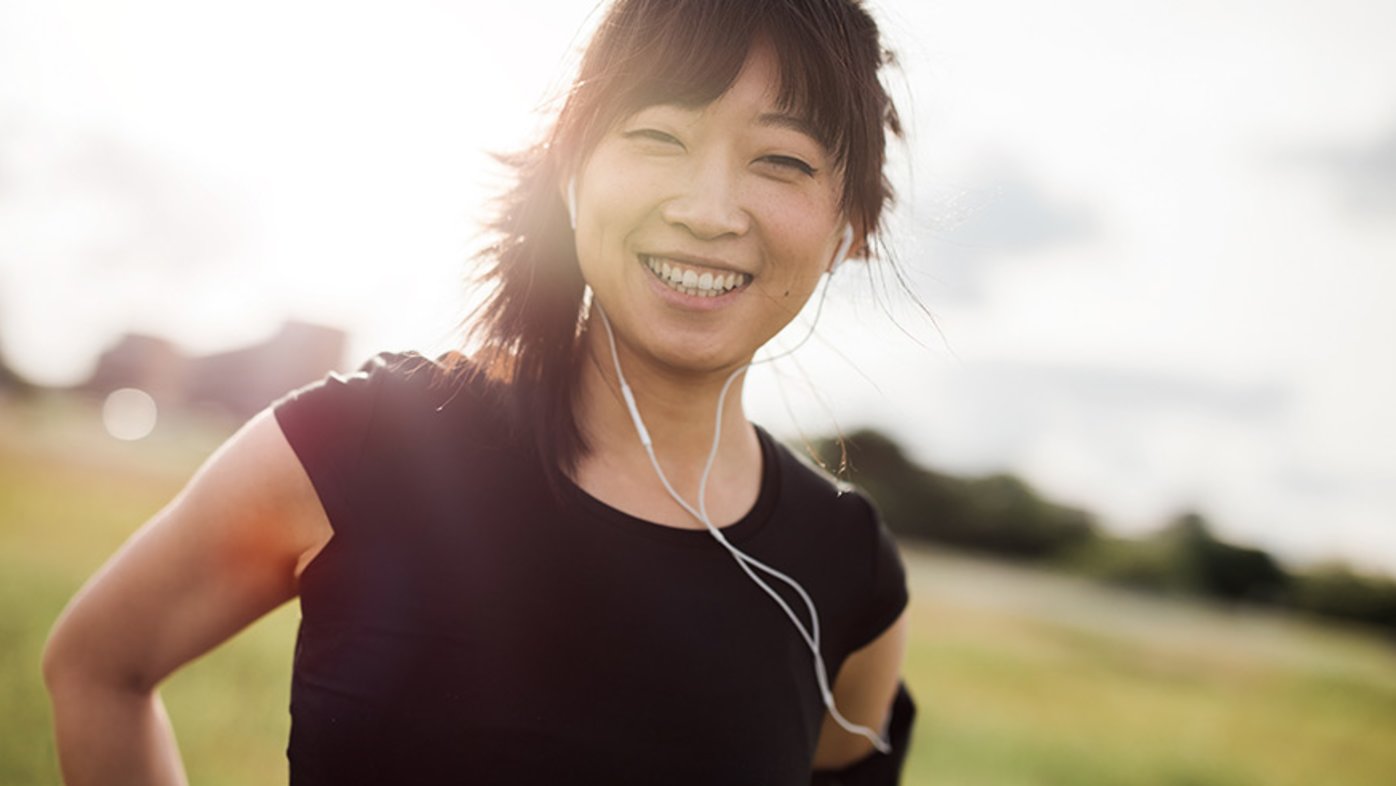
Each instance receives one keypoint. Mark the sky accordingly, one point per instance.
(1154, 241)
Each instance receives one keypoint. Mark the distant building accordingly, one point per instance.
(11, 383)
(239, 382)
(147, 362)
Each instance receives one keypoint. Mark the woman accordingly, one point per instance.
(570, 557)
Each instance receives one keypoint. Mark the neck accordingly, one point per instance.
(679, 411)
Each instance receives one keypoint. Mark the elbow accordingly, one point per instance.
(56, 663)
(73, 667)
(62, 664)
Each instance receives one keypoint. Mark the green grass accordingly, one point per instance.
(1027, 678)
(68, 498)
(1022, 678)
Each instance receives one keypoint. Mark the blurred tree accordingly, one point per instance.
(1185, 558)
(1207, 566)
(1000, 513)
(1335, 590)
(1004, 515)
(1010, 518)
(1140, 564)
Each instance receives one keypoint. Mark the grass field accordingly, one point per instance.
(1022, 678)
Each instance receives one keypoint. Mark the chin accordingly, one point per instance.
(701, 364)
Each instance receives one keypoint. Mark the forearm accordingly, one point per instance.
(114, 736)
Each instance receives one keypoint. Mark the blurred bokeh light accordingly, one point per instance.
(129, 414)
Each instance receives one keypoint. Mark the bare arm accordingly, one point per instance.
(224, 552)
(863, 692)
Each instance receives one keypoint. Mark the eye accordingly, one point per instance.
(791, 163)
(652, 135)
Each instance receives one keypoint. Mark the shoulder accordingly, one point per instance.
(412, 370)
(832, 516)
(338, 423)
(385, 379)
(840, 525)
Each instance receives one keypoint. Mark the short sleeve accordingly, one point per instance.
(887, 594)
(326, 422)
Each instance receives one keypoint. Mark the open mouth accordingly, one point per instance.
(694, 280)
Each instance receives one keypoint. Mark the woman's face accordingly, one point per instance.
(703, 231)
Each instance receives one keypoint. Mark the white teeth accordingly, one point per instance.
(690, 282)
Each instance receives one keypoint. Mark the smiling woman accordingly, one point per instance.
(568, 556)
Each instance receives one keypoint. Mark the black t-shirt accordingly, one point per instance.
(466, 625)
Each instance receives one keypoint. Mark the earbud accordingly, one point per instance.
(844, 246)
(572, 202)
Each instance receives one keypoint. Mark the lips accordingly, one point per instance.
(694, 280)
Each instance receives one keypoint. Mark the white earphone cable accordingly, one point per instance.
(811, 636)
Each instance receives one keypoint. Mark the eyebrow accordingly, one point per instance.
(792, 122)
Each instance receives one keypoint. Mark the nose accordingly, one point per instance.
(707, 205)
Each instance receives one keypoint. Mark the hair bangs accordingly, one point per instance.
(690, 53)
(676, 59)
(821, 84)
(812, 86)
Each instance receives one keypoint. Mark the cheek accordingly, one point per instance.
(613, 204)
(618, 180)
(804, 248)
(603, 213)
(798, 227)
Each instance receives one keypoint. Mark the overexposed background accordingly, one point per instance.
(1157, 238)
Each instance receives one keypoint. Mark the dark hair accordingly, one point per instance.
(686, 52)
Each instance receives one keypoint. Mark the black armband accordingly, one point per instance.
(879, 769)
